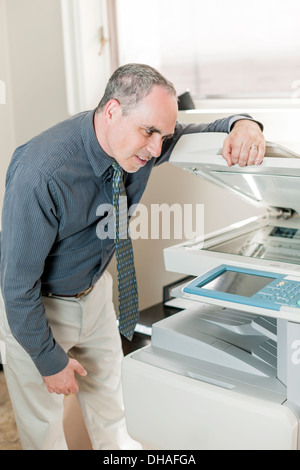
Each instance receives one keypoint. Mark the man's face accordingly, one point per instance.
(135, 138)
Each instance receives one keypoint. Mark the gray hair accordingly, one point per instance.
(130, 83)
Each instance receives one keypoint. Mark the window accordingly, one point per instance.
(217, 48)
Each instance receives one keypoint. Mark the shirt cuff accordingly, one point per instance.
(53, 362)
(236, 118)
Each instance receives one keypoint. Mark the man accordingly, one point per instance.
(57, 319)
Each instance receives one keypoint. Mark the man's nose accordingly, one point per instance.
(154, 145)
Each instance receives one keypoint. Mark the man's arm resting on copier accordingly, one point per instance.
(244, 134)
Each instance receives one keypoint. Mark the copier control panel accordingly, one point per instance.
(247, 286)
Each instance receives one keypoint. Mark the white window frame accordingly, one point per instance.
(86, 70)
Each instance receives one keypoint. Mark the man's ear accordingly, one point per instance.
(112, 109)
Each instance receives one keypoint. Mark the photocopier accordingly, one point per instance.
(224, 372)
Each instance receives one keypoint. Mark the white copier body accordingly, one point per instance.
(216, 376)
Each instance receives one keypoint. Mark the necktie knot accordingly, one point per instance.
(118, 170)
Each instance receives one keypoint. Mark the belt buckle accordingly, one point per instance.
(83, 293)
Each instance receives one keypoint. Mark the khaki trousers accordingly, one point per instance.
(87, 330)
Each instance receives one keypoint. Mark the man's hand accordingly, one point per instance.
(245, 144)
(64, 381)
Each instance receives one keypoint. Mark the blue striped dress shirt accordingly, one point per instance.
(54, 186)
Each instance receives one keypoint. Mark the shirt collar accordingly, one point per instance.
(98, 159)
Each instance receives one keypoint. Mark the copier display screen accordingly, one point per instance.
(238, 283)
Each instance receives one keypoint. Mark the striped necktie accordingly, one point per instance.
(127, 286)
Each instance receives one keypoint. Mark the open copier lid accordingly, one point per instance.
(274, 183)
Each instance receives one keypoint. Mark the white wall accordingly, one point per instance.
(31, 64)
(36, 65)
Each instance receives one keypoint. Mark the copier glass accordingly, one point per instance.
(224, 373)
